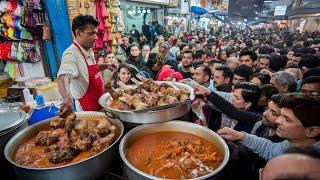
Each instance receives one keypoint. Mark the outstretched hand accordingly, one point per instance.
(66, 107)
(231, 134)
(201, 90)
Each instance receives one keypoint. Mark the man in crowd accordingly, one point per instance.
(200, 57)
(283, 81)
(249, 58)
(311, 85)
(202, 75)
(298, 123)
(242, 73)
(186, 68)
(263, 62)
(134, 33)
(223, 78)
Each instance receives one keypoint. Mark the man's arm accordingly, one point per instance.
(64, 89)
(230, 110)
(263, 147)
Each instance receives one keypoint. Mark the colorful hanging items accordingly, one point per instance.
(111, 23)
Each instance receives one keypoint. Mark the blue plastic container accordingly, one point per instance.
(43, 113)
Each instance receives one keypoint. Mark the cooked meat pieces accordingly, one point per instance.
(151, 99)
(147, 93)
(46, 138)
(103, 127)
(69, 124)
(81, 126)
(63, 154)
(115, 94)
(58, 122)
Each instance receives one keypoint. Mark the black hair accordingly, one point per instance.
(206, 71)
(249, 91)
(81, 21)
(309, 61)
(227, 73)
(263, 50)
(277, 62)
(305, 108)
(312, 72)
(199, 53)
(182, 45)
(276, 98)
(268, 91)
(153, 59)
(173, 64)
(244, 71)
(188, 52)
(252, 54)
(264, 78)
(179, 57)
(311, 80)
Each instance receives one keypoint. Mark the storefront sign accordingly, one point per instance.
(162, 2)
(280, 10)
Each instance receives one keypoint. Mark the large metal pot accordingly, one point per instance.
(11, 122)
(87, 169)
(152, 115)
(182, 126)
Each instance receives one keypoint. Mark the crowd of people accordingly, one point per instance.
(259, 90)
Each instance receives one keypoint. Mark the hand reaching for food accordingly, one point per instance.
(201, 90)
(231, 134)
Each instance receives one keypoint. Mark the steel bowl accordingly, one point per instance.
(135, 174)
(90, 168)
(11, 122)
(151, 115)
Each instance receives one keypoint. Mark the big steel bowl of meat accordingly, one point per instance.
(89, 168)
(141, 132)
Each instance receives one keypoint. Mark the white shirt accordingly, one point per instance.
(74, 66)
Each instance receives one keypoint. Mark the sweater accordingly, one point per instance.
(267, 149)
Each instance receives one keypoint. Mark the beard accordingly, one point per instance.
(268, 123)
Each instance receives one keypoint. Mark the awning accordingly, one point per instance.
(198, 10)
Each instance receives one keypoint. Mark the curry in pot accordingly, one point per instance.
(174, 155)
(68, 140)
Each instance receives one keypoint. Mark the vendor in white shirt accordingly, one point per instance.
(79, 76)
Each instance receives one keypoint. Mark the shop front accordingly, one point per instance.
(137, 11)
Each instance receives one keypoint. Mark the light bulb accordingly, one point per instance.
(134, 11)
(139, 11)
(143, 11)
(148, 11)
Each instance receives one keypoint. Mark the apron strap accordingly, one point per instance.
(85, 59)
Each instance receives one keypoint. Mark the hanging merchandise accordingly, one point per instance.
(21, 23)
(111, 23)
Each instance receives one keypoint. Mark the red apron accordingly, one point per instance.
(89, 102)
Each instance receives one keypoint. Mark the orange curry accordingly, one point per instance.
(68, 140)
(174, 155)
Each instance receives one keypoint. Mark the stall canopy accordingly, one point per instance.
(198, 10)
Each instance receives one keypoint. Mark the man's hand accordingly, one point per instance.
(66, 107)
(190, 82)
(231, 134)
(201, 90)
(110, 66)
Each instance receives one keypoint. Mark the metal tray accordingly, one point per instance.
(154, 114)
